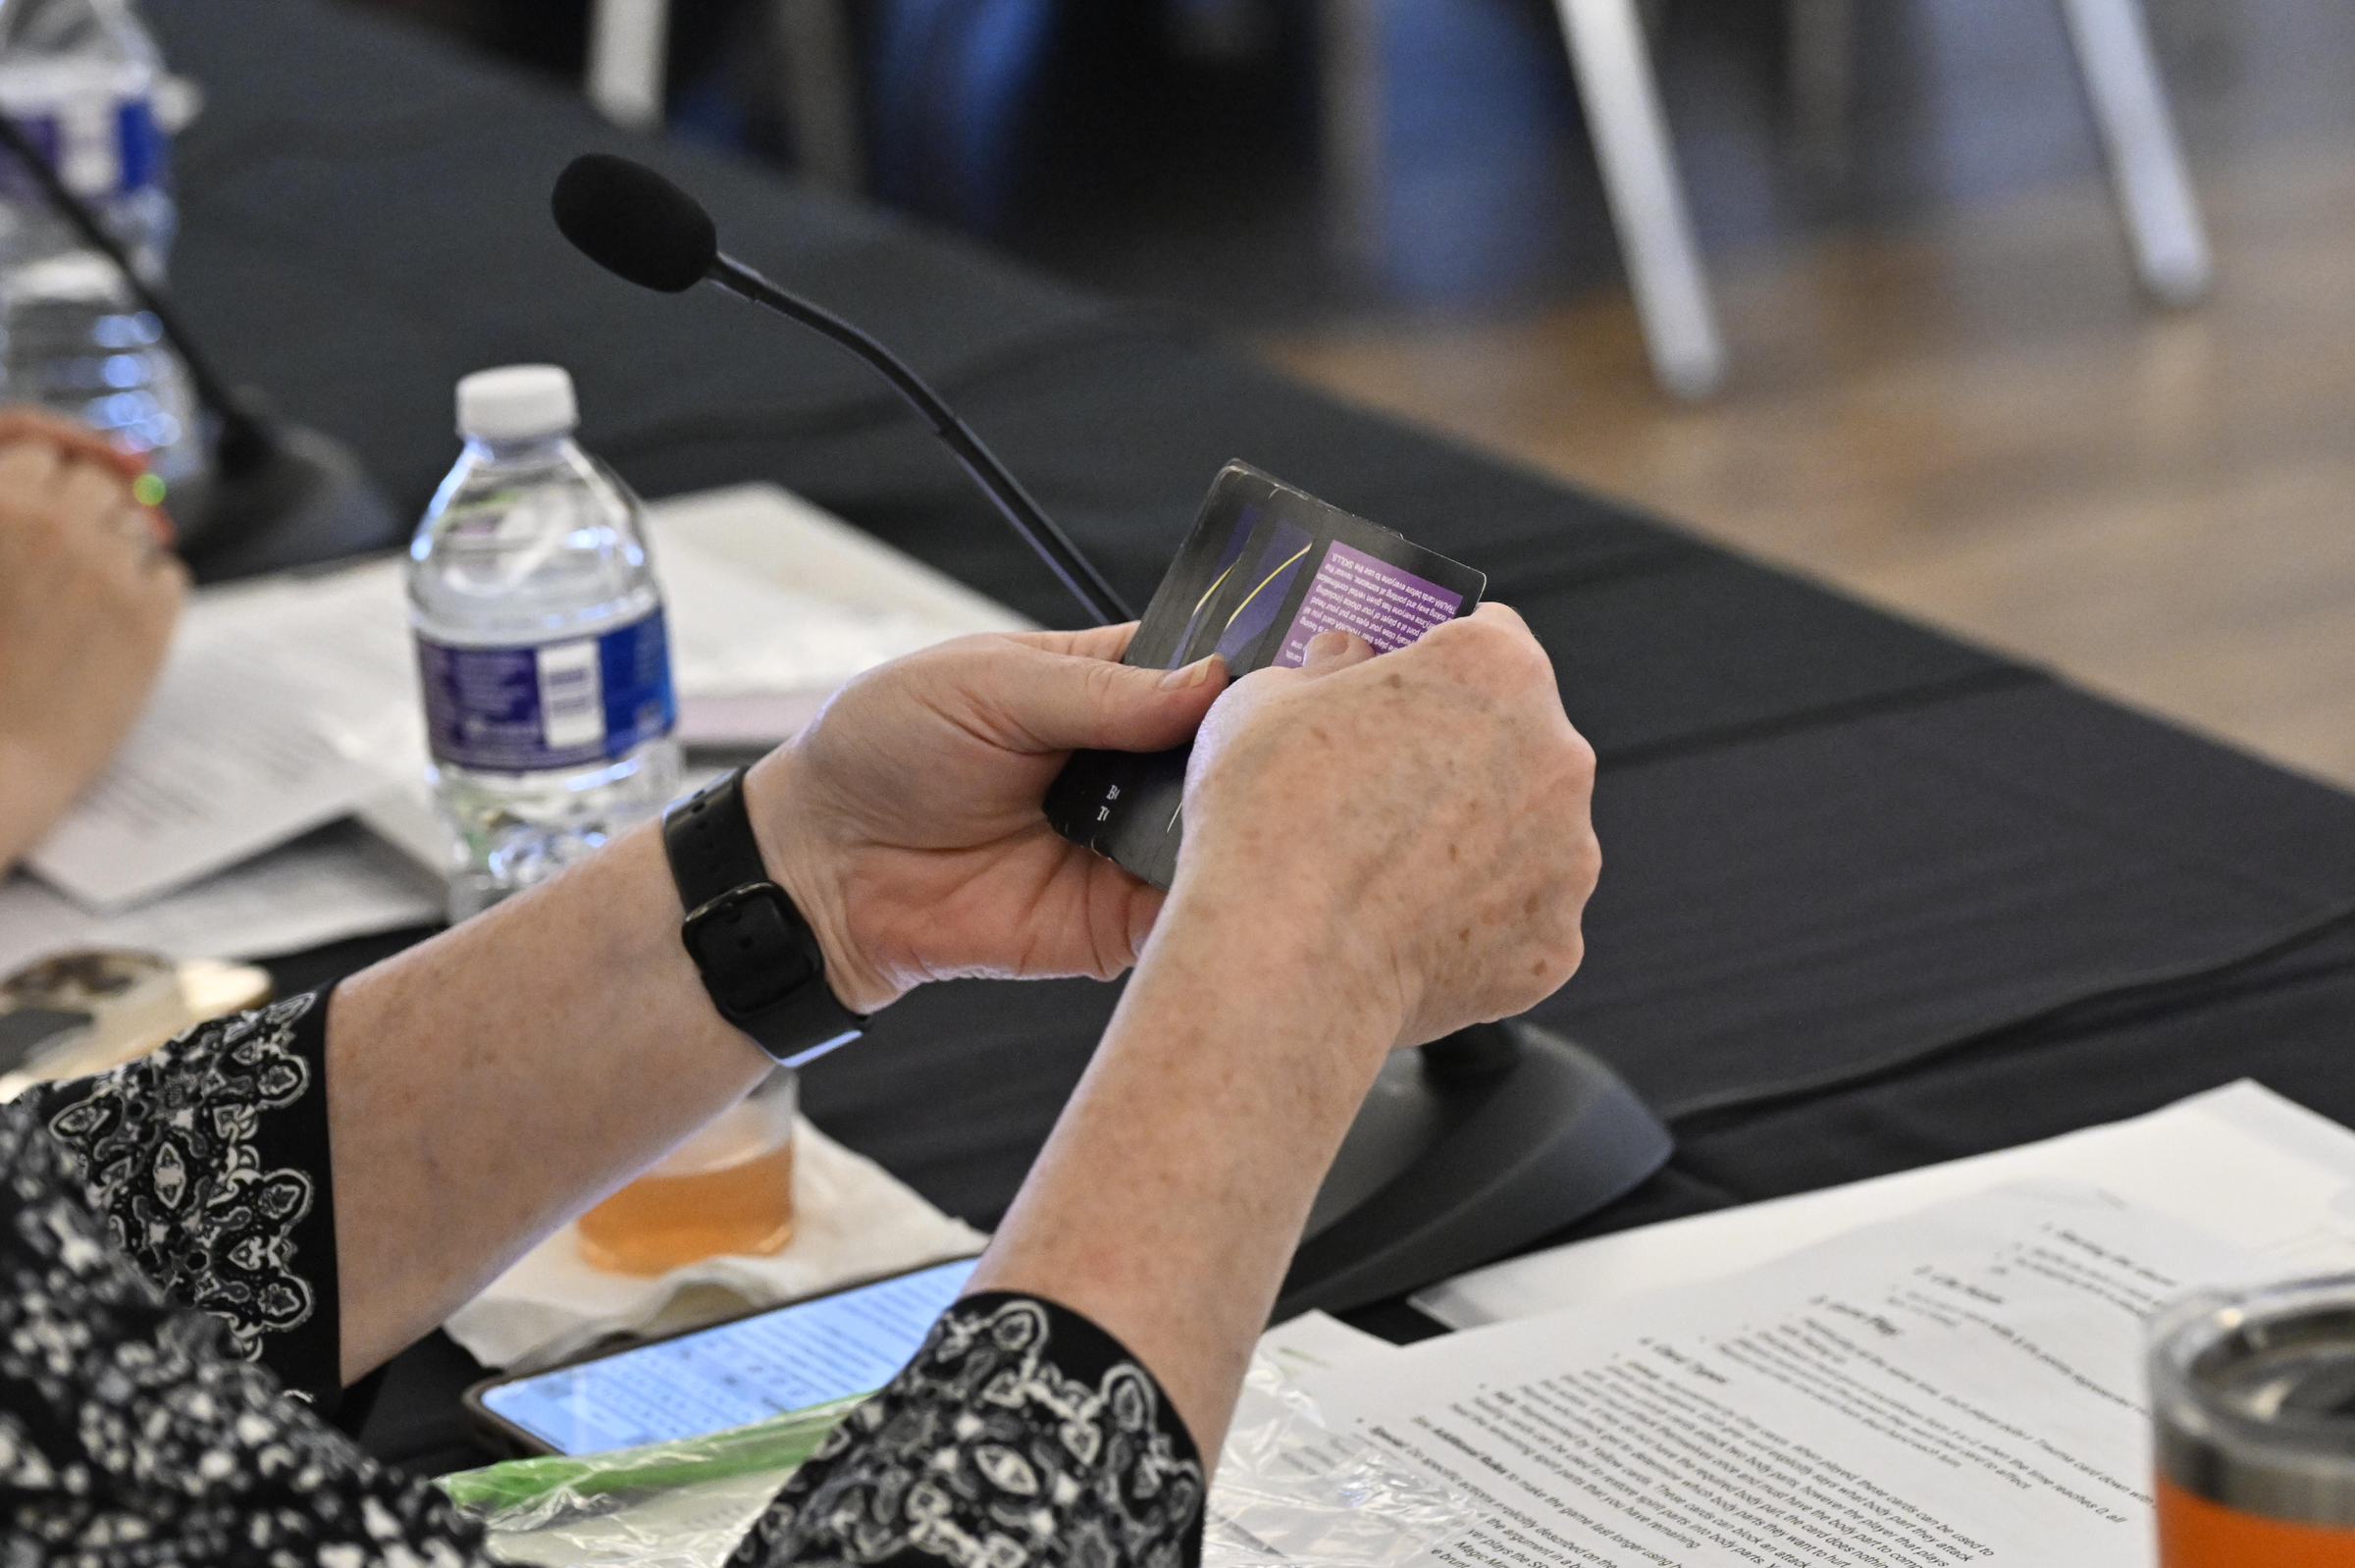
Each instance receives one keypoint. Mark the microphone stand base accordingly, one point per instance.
(1465, 1151)
(310, 501)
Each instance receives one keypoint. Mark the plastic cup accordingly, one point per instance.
(726, 1191)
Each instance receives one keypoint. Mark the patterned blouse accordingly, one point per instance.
(169, 1338)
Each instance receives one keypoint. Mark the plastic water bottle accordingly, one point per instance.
(540, 640)
(83, 79)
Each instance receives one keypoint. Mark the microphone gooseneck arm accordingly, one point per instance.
(244, 440)
(1075, 571)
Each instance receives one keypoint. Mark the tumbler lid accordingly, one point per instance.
(2253, 1392)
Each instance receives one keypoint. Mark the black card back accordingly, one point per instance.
(1265, 568)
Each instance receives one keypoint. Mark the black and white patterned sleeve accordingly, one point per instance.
(135, 1434)
(1021, 1436)
(135, 1430)
(208, 1162)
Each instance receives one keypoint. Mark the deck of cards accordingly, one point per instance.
(1266, 568)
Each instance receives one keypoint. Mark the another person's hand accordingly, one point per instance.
(906, 820)
(89, 595)
(1423, 816)
(71, 438)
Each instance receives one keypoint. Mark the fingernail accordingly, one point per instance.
(1325, 644)
(1195, 674)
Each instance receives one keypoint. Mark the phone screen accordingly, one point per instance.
(830, 1348)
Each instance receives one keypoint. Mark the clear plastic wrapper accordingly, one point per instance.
(681, 1504)
(1289, 1492)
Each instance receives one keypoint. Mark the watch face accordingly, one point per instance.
(753, 948)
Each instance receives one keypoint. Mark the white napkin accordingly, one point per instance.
(853, 1220)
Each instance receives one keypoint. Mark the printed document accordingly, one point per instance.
(277, 712)
(336, 883)
(290, 702)
(2239, 1161)
(1962, 1387)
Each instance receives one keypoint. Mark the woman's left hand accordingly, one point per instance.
(906, 820)
(89, 595)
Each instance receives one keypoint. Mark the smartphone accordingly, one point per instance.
(766, 1363)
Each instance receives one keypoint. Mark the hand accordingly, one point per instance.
(1377, 851)
(906, 820)
(87, 599)
(22, 422)
(1420, 822)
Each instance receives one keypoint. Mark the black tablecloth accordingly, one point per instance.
(1845, 852)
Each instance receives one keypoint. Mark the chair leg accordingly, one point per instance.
(1613, 67)
(628, 50)
(2146, 161)
(1349, 79)
(1822, 68)
(821, 94)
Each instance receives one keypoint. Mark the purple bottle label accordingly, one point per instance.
(549, 705)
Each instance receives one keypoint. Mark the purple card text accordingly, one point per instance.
(1357, 592)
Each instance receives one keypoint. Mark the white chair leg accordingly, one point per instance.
(2146, 161)
(628, 50)
(1613, 67)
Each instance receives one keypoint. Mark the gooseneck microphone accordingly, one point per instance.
(640, 227)
(1497, 1135)
(243, 441)
(279, 495)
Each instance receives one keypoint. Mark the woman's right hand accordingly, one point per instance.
(87, 599)
(1421, 817)
(1377, 852)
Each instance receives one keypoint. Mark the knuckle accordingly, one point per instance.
(1502, 614)
(1578, 757)
(1104, 683)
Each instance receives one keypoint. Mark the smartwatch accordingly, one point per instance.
(758, 955)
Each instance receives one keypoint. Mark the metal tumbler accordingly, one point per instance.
(2253, 1394)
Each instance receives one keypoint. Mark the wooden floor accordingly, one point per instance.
(1980, 424)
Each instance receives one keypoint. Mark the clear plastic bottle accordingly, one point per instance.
(541, 644)
(81, 78)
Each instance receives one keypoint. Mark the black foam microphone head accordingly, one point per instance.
(632, 222)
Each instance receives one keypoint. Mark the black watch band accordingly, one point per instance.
(758, 955)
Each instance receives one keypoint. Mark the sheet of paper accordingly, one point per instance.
(776, 603)
(1319, 1343)
(334, 884)
(292, 701)
(777, 535)
(1960, 1385)
(734, 631)
(2240, 1161)
(274, 706)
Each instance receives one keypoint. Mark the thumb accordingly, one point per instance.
(1335, 650)
(1044, 702)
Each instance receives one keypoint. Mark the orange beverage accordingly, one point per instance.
(2194, 1533)
(727, 1189)
(2253, 1394)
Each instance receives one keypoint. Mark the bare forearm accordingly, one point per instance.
(486, 1086)
(1168, 1202)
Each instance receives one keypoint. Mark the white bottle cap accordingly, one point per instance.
(516, 402)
